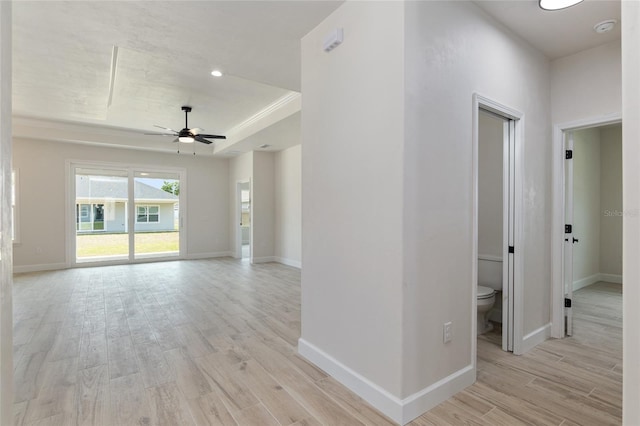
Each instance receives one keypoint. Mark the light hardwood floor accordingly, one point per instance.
(213, 342)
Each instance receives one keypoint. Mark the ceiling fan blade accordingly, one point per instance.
(165, 128)
(199, 138)
(160, 134)
(213, 136)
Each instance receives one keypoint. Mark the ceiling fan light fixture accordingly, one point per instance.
(216, 73)
(186, 139)
(557, 4)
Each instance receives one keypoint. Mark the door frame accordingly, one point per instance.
(70, 209)
(238, 215)
(558, 219)
(516, 297)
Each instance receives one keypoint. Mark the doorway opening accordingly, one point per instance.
(244, 213)
(124, 214)
(497, 270)
(593, 211)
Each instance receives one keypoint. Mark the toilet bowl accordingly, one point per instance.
(486, 298)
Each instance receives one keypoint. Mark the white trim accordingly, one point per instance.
(265, 259)
(583, 282)
(518, 118)
(401, 411)
(21, 269)
(288, 262)
(610, 278)
(558, 214)
(536, 337)
(211, 255)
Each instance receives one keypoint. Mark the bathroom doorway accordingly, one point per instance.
(243, 242)
(497, 262)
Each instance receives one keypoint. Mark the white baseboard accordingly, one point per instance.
(536, 337)
(20, 269)
(399, 410)
(289, 262)
(611, 278)
(578, 284)
(265, 259)
(197, 256)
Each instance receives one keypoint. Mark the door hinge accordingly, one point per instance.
(567, 302)
(511, 249)
(568, 229)
(568, 154)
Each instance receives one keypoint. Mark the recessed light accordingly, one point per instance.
(557, 4)
(605, 26)
(216, 73)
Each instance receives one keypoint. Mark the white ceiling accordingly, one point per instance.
(63, 55)
(556, 33)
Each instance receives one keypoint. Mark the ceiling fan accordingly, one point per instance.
(188, 135)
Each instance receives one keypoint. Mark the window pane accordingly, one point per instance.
(141, 218)
(158, 235)
(142, 210)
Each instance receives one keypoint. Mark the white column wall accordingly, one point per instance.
(631, 205)
(352, 134)
(6, 262)
(263, 207)
(288, 206)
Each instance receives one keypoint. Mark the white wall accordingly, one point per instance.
(586, 205)
(586, 84)
(240, 170)
(611, 200)
(454, 50)
(631, 204)
(352, 181)
(288, 206)
(6, 281)
(263, 207)
(394, 277)
(490, 191)
(42, 169)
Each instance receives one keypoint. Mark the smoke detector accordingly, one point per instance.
(605, 26)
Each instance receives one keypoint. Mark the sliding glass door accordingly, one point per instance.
(157, 196)
(125, 214)
(101, 201)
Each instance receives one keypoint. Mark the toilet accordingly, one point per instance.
(486, 300)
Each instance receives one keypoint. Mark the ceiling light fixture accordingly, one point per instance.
(557, 4)
(605, 26)
(216, 73)
(186, 139)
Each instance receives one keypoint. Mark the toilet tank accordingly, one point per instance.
(490, 272)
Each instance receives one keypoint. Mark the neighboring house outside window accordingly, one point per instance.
(147, 214)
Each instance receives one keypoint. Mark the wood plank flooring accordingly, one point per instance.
(213, 342)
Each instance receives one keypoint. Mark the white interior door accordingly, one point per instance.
(508, 264)
(568, 236)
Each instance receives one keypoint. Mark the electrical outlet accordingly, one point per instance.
(447, 332)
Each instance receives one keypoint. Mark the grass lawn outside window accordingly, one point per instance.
(99, 245)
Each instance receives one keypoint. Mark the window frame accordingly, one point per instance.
(147, 214)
